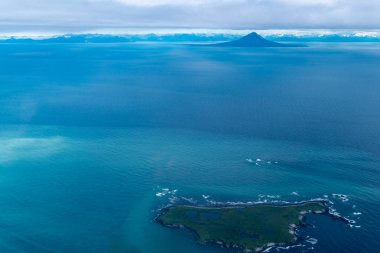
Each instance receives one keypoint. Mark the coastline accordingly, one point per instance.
(292, 227)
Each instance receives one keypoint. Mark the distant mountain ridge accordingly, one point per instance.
(126, 38)
(254, 40)
(217, 38)
(324, 38)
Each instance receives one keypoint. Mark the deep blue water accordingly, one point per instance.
(94, 138)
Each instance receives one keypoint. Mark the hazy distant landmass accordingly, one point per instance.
(253, 40)
(125, 38)
(324, 38)
(220, 38)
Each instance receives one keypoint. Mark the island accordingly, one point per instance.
(250, 228)
(253, 40)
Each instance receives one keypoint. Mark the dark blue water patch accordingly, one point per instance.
(210, 216)
(317, 95)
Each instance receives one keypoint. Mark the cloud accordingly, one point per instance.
(221, 2)
(22, 148)
(253, 14)
(164, 2)
(328, 3)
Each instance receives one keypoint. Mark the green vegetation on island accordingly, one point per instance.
(247, 227)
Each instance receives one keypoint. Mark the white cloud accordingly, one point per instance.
(207, 2)
(309, 2)
(251, 14)
(162, 2)
(22, 148)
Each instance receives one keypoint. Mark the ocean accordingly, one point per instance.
(96, 138)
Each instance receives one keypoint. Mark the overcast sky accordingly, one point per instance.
(235, 14)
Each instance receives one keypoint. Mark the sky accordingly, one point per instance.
(79, 15)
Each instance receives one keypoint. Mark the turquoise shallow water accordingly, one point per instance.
(96, 190)
(96, 138)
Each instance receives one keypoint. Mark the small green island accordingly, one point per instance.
(251, 228)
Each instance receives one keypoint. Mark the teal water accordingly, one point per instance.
(96, 138)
